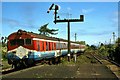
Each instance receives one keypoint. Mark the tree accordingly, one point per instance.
(117, 51)
(118, 41)
(103, 50)
(46, 31)
(117, 54)
(93, 47)
(81, 42)
(4, 39)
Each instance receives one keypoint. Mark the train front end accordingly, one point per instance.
(20, 49)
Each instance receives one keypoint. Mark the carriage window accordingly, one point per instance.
(13, 42)
(20, 42)
(28, 41)
(57, 45)
(38, 44)
(61, 45)
(17, 42)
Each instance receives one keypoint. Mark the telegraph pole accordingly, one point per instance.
(113, 37)
(65, 20)
(75, 37)
(110, 41)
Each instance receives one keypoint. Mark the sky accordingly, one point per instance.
(100, 19)
(60, 0)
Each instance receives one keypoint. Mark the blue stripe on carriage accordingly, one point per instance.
(48, 54)
(38, 55)
(12, 56)
(64, 52)
(43, 55)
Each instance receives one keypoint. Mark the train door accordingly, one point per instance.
(47, 46)
(44, 46)
(38, 45)
(41, 46)
(54, 46)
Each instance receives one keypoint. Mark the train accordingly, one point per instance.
(27, 48)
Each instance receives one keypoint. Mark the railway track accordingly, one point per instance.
(112, 65)
(42, 62)
(89, 70)
(11, 70)
(6, 71)
(101, 59)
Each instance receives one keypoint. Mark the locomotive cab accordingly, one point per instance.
(19, 48)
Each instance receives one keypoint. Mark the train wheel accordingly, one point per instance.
(30, 62)
(10, 61)
(59, 59)
(25, 63)
(56, 60)
(53, 60)
(17, 65)
(50, 62)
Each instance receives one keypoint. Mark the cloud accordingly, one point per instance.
(16, 24)
(85, 11)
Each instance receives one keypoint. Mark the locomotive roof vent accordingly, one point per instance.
(19, 32)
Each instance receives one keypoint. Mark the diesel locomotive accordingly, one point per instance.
(26, 48)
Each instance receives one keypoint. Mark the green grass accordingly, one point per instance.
(3, 53)
(5, 64)
(118, 72)
(82, 59)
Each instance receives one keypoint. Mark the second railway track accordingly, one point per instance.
(113, 66)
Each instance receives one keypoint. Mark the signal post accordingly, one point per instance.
(68, 25)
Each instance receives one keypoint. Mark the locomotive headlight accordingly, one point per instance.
(14, 53)
(26, 56)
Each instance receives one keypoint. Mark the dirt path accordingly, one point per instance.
(95, 71)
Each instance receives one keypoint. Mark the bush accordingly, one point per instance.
(102, 50)
(117, 54)
(4, 53)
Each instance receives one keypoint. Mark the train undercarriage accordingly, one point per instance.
(23, 63)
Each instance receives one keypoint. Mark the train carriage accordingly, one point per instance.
(25, 48)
